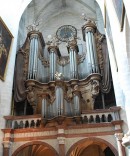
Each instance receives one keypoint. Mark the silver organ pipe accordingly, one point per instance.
(30, 59)
(33, 57)
(44, 108)
(76, 105)
(54, 65)
(95, 53)
(73, 50)
(50, 66)
(76, 98)
(88, 54)
(53, 58)
(75, 64)
(89, 29)
(70, 54)
(91, 52)
(59, 100)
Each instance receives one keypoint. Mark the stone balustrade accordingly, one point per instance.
(87, 117)
(17, 122)
(101, 115)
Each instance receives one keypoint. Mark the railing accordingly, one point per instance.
(101, 115)
(18, 122)
(87, 117)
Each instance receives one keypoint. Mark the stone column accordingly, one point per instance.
(6, 148)
(61, 141)
(89, 28)
(121, 149)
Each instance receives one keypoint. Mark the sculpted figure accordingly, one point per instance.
(95, 88)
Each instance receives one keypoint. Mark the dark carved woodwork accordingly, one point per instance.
(86, 89)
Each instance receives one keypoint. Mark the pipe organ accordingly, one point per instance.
(61, 86)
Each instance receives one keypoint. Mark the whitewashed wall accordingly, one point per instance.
(10, 11)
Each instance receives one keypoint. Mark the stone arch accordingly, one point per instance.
(95, 141)
(34, 143)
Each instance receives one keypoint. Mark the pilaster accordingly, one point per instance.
(121, 149)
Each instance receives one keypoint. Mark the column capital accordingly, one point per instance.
(7, 144)
(126, 140)
(61, 140)
(61, 131)
(119, 136)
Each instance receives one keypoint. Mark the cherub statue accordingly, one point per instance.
(52, 41)
(58, 76)
(33, 26)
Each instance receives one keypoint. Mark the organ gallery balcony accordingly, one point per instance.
(93, 123)
(93, 118)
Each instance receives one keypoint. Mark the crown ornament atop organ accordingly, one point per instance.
(58, 95)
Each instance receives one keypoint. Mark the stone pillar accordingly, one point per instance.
(6, 148)
(73, 50)
(61, 141)
(89, 28)
(121, 149)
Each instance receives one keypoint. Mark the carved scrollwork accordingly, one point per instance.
(31, 97)
(53, 41)
(99, 39)
(95, 88)
(63, 60)
(25, 56)
(58, 76)
(81, 58)
(45, 62)
(33, 27)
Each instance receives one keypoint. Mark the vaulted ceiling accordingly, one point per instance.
(51, 14)
(44, 10)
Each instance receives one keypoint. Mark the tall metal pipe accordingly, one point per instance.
(88, 33)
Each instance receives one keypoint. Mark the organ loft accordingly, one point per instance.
(63, 92)
(60, 87)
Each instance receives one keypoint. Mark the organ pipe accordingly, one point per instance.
(53, 50)
(44, 108)
(73, 50)
(76, 97)
(33, 57)
(59, 100)
(90, 28)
